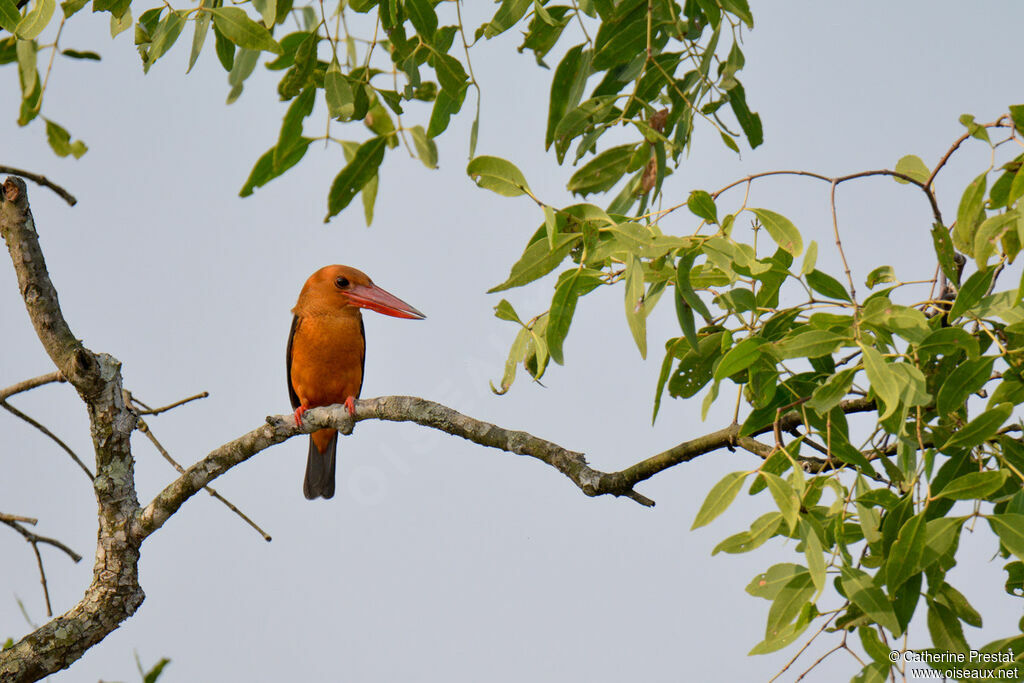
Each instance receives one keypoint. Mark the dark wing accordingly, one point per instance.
(362, 357)
(288, 363)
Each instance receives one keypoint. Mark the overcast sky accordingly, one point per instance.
(439, 560)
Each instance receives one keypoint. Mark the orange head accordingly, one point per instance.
(342, 289)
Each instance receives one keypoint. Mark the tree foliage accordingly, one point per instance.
(875, 507)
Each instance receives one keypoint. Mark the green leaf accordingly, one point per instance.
(423, 17)
(60, 141)
(69, 7)
(946, 254)
(355, 175)
(10, 17)
(957, 602)
(945, 629)
(450, 73)
(768, 584)
(884, 382)
(537, 261)
(563, 307)
(702, 205)
(785, 498)
(166, 34)
(863, 592)
(602, 172)
(426, 149)
(264, 171)
(510, 12)
(567, 87)
(369, 196)
(341, 103)
(948, 341)
(828, 395)
(974, 485)
(505, 311)
(810, 258)
(827, 285)
(750, 122)
(781, 230)
(202, 27)
(267, 10)
(1017, 114)
(913, 167)
(153, 674)
(33, 23)
(635, 314)
(1010, 529)
(28, 73)
(516, 355)
(879, 275)
(971, 293)
(719, 498)
(989, 236)
(980, 429)
(237, 27)
(808, 344)
(497, 175)
(968, 215)
(874, 646)
(225, 49)
(815, 556)
(291, 125)
(788, 603)
(739, 357)
(906, 553)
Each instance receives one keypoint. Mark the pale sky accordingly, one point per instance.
(439, 560)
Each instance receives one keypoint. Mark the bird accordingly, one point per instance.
(326, 356)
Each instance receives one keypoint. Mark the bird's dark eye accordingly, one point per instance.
(341, 283)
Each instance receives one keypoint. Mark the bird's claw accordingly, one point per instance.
(298, 415)
(350, 405)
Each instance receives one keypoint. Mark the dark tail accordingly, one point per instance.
(319, 482)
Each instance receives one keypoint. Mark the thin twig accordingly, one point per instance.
(31, 384)
(839, 242)
(67, 449)
(164, 409)
(18, 518)
(34, 540)
(144, 428)
(41, 180)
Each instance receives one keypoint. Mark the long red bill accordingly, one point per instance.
(376, 299)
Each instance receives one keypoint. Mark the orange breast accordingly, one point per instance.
(327, 359)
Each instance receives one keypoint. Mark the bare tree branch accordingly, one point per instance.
(29, 384)
(39, 179)
(15, 522)
(114, 593)
(144, 428)
(67, 449)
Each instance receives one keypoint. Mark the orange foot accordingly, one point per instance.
(350, 405)
(298, 415)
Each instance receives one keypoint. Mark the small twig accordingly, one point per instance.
(839, 243)
(804, 648)
(31, 384)
(164, 409)
(41, 180)
(34, 540)
(67, 449)
(18, 518)
(144, 428)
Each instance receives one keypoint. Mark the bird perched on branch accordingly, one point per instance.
(326, 350)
